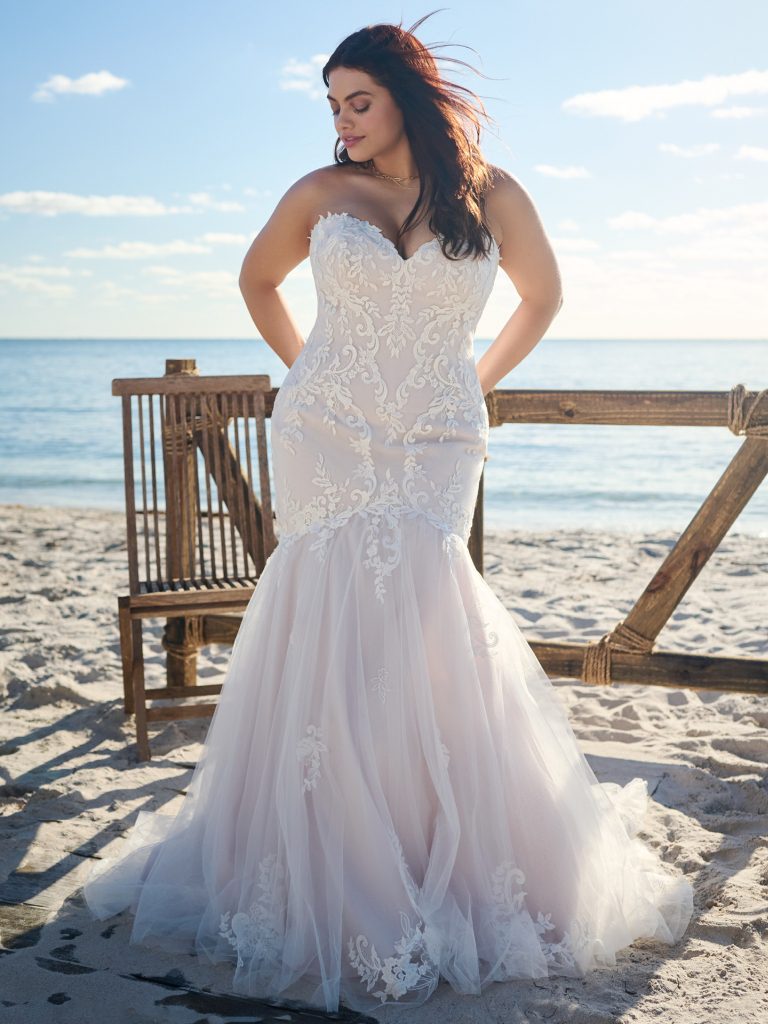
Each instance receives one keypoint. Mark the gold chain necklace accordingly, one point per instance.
(393, 177)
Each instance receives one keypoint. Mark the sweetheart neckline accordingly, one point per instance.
(380, 234)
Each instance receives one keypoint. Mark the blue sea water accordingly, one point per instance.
(60, 429)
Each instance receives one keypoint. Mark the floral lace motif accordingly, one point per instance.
(308, 750)
(380, 683)
(257, 934)
(569, 953)
(382, 414)
(409, 969)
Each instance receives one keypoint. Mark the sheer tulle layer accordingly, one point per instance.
(390, 792)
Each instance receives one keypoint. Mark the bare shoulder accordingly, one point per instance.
(508, 203)
(314, 191)
(527, 256)
(304, 192)
(504, 184)
(283, 241)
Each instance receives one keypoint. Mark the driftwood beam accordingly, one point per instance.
(632, 408)
(701, 537)
(182, 381)
(661, 668)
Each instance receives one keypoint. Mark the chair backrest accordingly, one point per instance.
(197, 514)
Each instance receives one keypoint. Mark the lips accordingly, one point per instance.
(351, 140)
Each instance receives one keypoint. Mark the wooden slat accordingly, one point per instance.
(229, 489)
(617, 408)
(250, 514)
(144, 502)
(187, 496)
(215, 437)
(266, 503)
(176, 384)
(170, 714)
(172, 498)
(130, 496)
(162, 692)
(153, 469)
(239, 499)
(206, 434)
(144, 607)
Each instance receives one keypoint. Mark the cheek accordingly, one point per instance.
(380, 124)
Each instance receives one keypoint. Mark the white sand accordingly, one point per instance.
(70, 784)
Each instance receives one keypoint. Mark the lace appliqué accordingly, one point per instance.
(388, 366)
(509, 909)
(409, 969)
(308, 750)
(257, 934)
(482, 637)
(446, 753)
(379, 683)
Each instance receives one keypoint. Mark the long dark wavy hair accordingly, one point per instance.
(442, 122)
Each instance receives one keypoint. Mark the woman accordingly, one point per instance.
(390, 791)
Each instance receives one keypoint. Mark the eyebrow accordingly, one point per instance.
(357, 92)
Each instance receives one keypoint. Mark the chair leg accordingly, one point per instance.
(126, 651)
(139, 696)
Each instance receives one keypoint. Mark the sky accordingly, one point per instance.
(146, 144)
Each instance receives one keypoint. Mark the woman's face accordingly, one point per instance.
(366, 118)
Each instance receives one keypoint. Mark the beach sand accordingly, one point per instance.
(71, 786)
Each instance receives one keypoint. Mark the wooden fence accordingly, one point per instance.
(627, 652)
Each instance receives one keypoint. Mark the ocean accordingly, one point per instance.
(61, 442)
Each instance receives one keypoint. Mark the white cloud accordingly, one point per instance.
(631, 221)
(751, 218)
(212, 284)
(109, 293)
(96, 83)
(51, 204)
(701, 273)
(636, 102)
(152, 250)
(35, 281)
(225, 238)
(49, 271)
(653, 294)
(689, 152)
(574, 244)
(759, 153)
(137, 250)
(713, 236)
(305, 76)
(551, 171)
(204, 200)
(739, 113)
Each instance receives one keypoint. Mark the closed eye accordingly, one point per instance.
(362, 110)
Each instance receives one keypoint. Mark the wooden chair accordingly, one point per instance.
(198, 533)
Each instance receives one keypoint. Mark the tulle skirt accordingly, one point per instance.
(390, 793)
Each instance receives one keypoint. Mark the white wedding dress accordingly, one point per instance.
(390, 791)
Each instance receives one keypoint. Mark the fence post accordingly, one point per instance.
(182, 634)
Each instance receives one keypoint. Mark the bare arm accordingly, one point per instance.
(279, 247)
(529, 262)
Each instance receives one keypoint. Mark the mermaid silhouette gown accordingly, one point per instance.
(390, 791)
